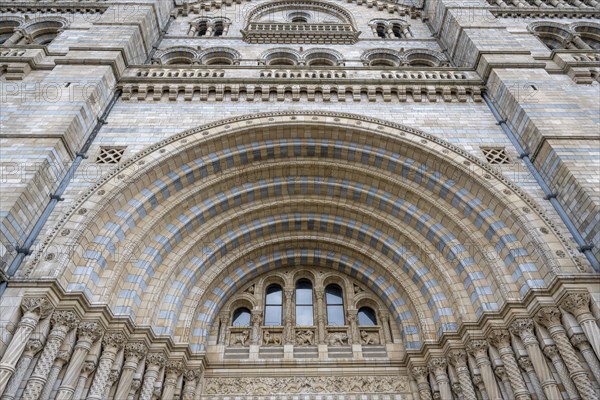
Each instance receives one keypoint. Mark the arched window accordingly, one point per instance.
(202, 28)
(241, 317)
(273, 305)
(304, 303)
(366, 317)
(335, 305)
(381, 31)
(218, 29)
(397, 30)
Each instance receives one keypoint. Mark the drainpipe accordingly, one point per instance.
(582, 246)
(159, 40)
(25, 249)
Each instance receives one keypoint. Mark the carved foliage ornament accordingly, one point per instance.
(114, 339)
(37, 305)
(89, 330)
(499, 338)
(157, 359)
(549, 317)
(576, 303)
(67, 319)
(326, 384)
(135, 350)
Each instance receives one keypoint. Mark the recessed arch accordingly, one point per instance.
(144, 188)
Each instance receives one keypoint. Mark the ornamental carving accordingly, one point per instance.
(337, 339)
(88, 367)
(136, 350)
(89, 331)
(33, 346)
(576, 303)
(478, 348)
(67, 319)
(458, 358)
(522, 327)
(157, 359)
(500, 373)
(579, 340)
(305, 337)
(240, 338)
(174, 367)
(500, 338)
(551, 352)
(191, 375)
(114, 339)
(369, 337)
(270, 386)
(438, 365)
(64, 356)
(273, 338)
(548, 317)
(37, 305)
(525, 363)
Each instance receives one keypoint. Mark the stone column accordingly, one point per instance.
(34, 309)
(113, 377)
(321, 314)
(135, 386)
(113, 342)
(190, 382)
(352, 317)
(580, 341)
(578, 304)
(154, 362)
(421, 375)
(524, 329)
(458, 358)
(89, 366)
(552, 353)
(505, 388)
(256, 321)
(527, 365)
(550, 317)
(288, 321)
(87, 333)
(479, 350)
(385, 323)
(500, 339)
(134, 352)
(173, 370)
(224, 320)
(62, 323)
(438, 366)
(580, 43)
(478, 381)
(15, 38)
(32, 347)
(61, 359)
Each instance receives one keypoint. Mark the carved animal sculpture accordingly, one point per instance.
(241, 339)
(268, 338)
(368, 338)
(337, 339)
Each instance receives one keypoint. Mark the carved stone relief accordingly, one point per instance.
(269, 386)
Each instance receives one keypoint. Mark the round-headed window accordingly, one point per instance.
(366, 317)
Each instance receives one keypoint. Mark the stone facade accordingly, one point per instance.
(300, 199)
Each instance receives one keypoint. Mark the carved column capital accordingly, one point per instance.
(156, 359)
(135, 351)
(174, 367)
(458, 358)
(420, 374)
(63, 356)
(113, 376)
(115, 340)
(39, 306)
(191, 375)
(457, 389)
(478, 348)
(88, 367)
(256, 317)
(438, 365)
(549, 317)
(500, 372)
(580, 341)
(523, 327)
(66, 319)
(576, 303)
(320, 294)
(89, 330)
(499, 338)
(551, 352)
(525, 363)
(33, 346)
